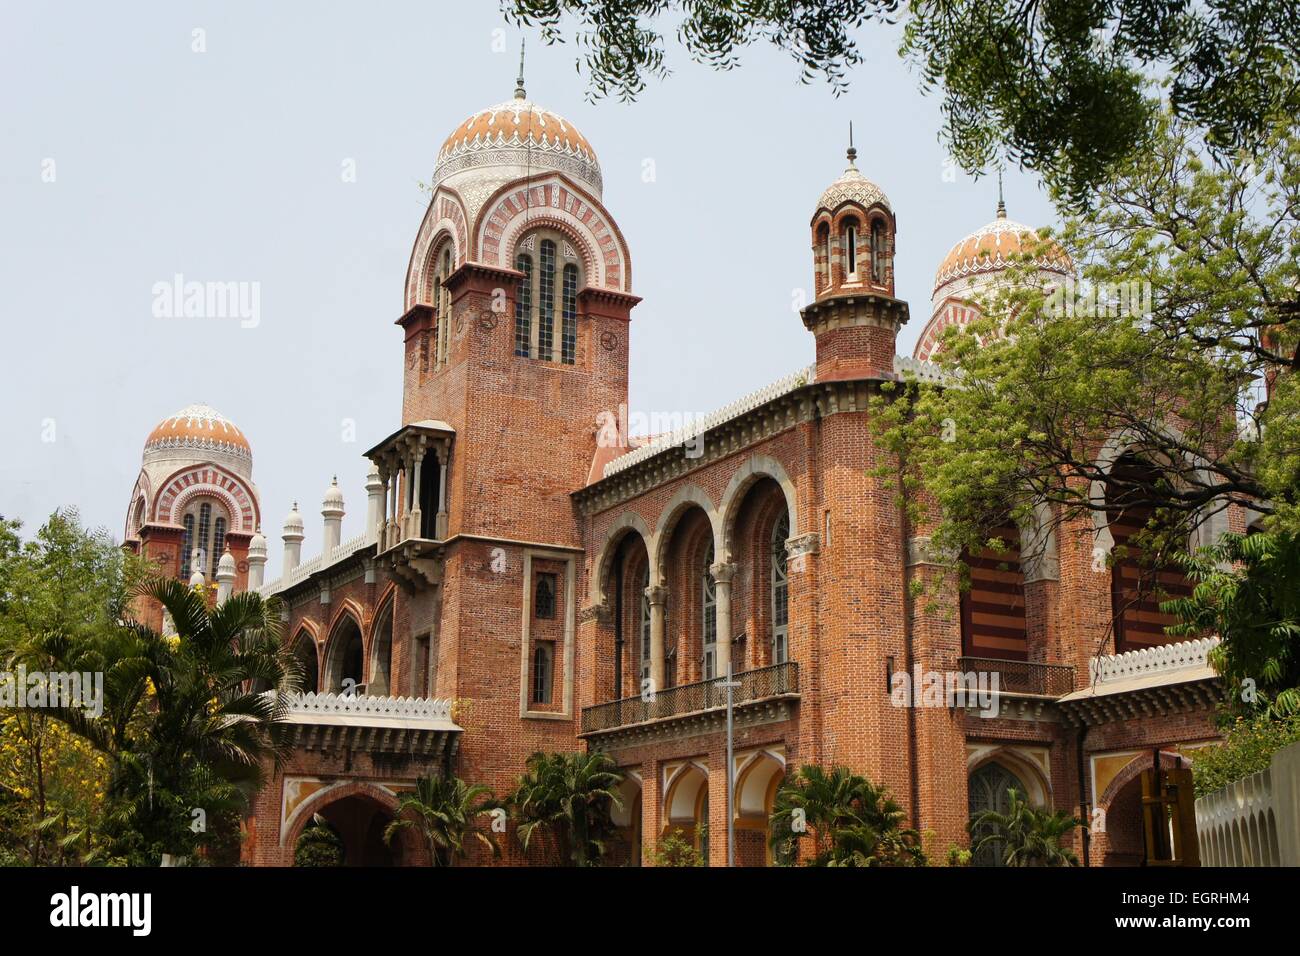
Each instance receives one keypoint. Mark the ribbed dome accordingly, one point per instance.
(515, 134)
(995, 247)
(333, 500)
(852, 186)
(198, 431)
(293, 521)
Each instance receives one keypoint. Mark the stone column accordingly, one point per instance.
(374, 501)
(658, 596)
(440, 525)
(722, 573)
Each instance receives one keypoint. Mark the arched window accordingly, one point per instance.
(851, 250)
(381, 664)
(546, 301)
(544, 597)
(204, 523)
(218, 543)
(444, 297)
(524, 306)
(543, 661)
(569, 316)
(556, 272)
(708, 618)
(345, 667)
(187, 546)
(645, 625)
(824, 241)
(305, 651)
(780, 591)
(877, 251)
(989, 789)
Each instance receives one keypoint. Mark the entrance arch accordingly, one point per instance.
(359, 813)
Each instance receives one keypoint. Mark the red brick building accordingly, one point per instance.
(531, 578)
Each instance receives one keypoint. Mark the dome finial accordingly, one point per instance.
(1002, 206)
(519, 83)
(852, 153)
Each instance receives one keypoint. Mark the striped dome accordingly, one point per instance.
(519, 133)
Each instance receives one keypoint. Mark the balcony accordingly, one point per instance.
(1022, 678)
(764, 693)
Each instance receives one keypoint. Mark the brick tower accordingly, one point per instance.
(515, 322)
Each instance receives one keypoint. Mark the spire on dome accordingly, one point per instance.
(1002, 206)
(520, 93)
(852, 153)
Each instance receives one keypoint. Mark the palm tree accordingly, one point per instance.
(1027, 836)
(568, 796)
(852, 821)
(443, 810)
(190, 718)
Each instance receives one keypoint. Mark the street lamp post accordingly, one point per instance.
(730, 685)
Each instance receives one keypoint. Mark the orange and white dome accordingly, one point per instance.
(197, 432)
(993, 248)
(518, 135)
(973, 268)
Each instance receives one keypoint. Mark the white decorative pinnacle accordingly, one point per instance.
(1166, 659)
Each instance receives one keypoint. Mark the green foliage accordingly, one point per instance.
(189, 718)
(1027, 836)
(442, 811)
(1248, 592)
(1061, 87)
(676, 850)
(568, 796)
(958, 856)
(66, 583)
(852, 822)
(1247, 748)
(318, 845)
(1040, 381)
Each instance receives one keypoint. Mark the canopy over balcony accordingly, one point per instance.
(395, 725)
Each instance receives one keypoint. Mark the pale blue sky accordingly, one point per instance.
(226, 166)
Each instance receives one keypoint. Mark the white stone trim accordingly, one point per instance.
(748, 403)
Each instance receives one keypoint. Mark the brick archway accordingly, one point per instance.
(411, 850)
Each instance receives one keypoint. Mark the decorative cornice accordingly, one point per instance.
(842, 310)
(1167, 660)
(656, 464)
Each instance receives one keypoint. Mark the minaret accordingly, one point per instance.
(374, 501)
(292, 537)
(854, 316)
(225, 577)
(256, 561)
(332, 511)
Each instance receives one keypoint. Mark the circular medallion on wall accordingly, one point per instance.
(487, 321)
(608, 341)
